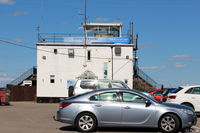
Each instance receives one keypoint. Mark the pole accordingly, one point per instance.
(135, 57)
(85, 32)
(112, 60)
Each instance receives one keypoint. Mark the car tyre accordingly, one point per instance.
(86, 122)
(169, 123)
(71, 91)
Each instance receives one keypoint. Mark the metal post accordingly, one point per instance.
(112, 60)
(85, 45)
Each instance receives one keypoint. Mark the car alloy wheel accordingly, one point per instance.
(86, 122)
(169, 123)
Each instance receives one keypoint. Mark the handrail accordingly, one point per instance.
(147, 78)
(59, 37)
(22, 77)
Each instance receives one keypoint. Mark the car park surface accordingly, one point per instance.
(30, 117)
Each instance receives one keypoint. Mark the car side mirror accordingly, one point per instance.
(148, 103)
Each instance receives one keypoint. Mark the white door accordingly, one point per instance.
(195, 97)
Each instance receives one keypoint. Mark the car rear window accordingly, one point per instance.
(177, 90)
(88, 85)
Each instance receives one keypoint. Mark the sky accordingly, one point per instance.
(169, 33)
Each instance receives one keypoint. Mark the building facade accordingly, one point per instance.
(105, 53)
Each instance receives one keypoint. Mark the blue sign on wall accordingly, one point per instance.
(123, 40)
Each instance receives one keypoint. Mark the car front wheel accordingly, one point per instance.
(86, 122)
(169, 123)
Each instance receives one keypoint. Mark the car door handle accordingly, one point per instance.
(127, 107)
(98, 105)
(193, 97)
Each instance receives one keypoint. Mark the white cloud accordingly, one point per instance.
(2, 79)
(3, 55)
(179, 65)
(65, 22)
(183, 58)
(101, 19)
(8, 2)
(17, 41)
(153, 68)
(17, 13)
(3, 75)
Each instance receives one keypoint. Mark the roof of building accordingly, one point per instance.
(105, 24)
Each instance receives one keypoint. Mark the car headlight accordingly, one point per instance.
(187, 111)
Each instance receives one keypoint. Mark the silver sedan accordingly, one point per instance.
(123, 107)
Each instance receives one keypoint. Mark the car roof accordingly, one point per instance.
(100, 80)
(112, 89)
(190, 86)
(84, 96)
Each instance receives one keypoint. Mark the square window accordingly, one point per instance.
(52, 78)
(55, 51)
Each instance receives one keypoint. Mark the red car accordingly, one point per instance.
(158, 95)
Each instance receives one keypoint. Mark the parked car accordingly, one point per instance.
(123, 107)
(166, 93)
(186, 95)
(157, 94)
(85, 85)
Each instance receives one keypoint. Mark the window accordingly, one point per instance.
(189, 91)
(44, 57)
(55, 51)
(88, 55)
(117, 85)
(177, 90)
(52, 78)
(103, 84)
(108, 96)
(88, 84)
(71, 52)
(134, 98)
(196, 91)
(158, 93)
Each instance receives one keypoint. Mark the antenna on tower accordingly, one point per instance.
(85, 23)
(42, 16)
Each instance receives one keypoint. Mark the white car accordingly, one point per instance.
(85, 85)
(186, 95)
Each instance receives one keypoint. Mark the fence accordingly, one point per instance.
(22, 93)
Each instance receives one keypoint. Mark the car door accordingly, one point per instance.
(135, 110)
(158, 95)
(195, 97)
(108, 107)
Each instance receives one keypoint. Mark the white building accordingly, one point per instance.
(65, 58)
